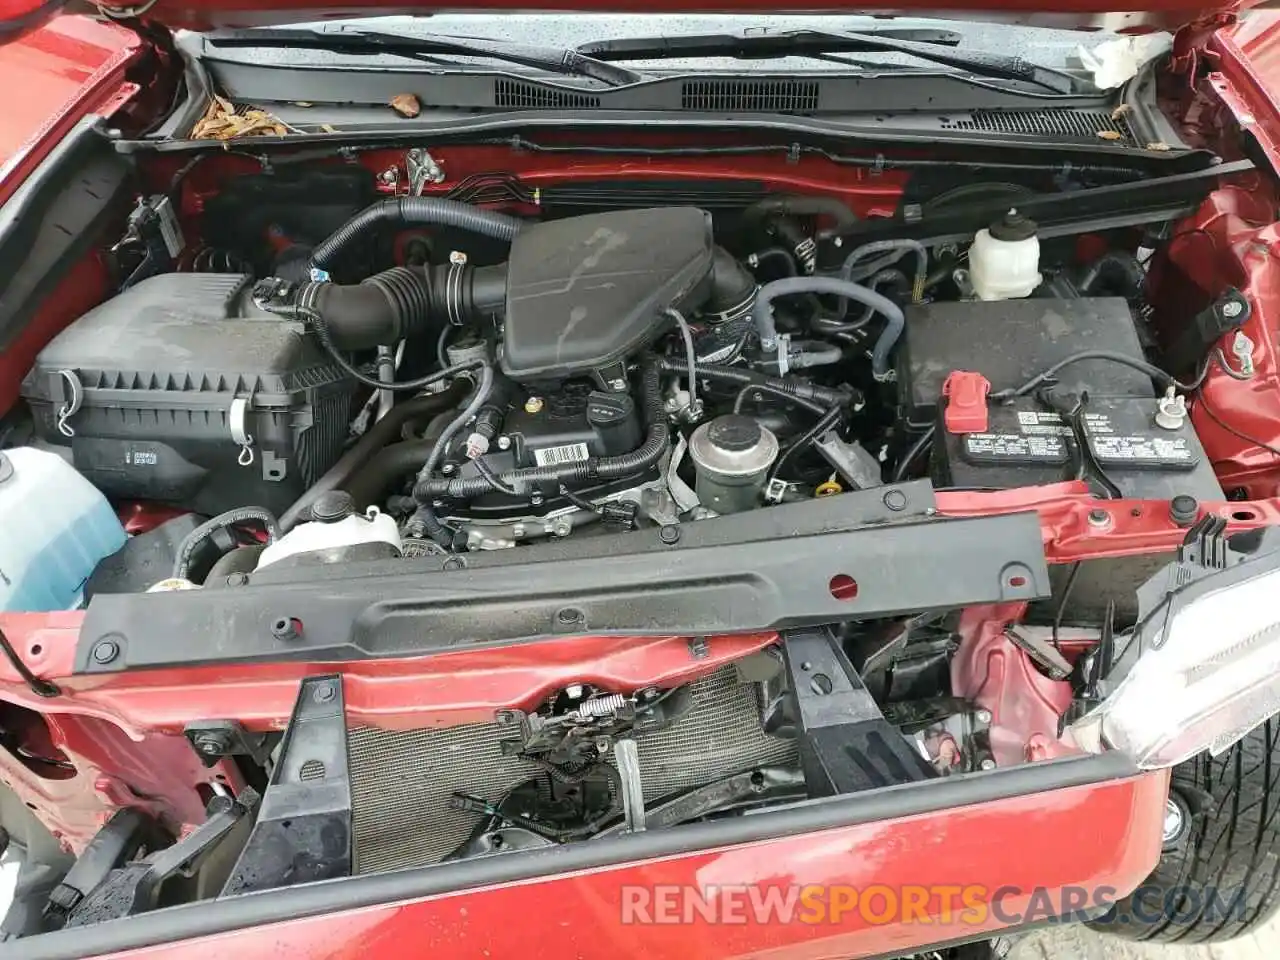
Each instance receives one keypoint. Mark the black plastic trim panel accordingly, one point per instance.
(652, 588)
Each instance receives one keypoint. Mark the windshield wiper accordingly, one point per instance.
(424, 46)
(819, 44)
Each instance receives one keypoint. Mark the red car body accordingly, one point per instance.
(123, 732)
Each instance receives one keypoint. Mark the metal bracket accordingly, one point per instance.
(303, 831)
(846, 744)
(214, 739)
(422, 169)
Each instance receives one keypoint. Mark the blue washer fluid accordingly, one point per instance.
(55, 526)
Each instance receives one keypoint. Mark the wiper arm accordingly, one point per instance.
(422, 47)
(930, 45)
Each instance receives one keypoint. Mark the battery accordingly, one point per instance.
(1011, 341)
(1026, 444)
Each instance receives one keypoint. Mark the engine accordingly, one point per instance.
(602, 373)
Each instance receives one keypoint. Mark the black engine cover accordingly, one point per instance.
(587, 292)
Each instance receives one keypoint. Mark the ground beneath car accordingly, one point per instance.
(1081, 943)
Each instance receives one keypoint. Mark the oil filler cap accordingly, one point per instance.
(734, 433)
(333, 506)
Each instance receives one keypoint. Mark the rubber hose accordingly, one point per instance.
(403, 301)
(896, 250)
(239, 560)
(383, 432)
(794, 205)
(381, 470)
(407, 210)
(895, 321)
(835, 324)
(802, 390)
(646, 455)
(182, 562)
(1123, 266)
(814, 353)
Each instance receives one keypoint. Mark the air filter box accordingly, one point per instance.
(180, 390)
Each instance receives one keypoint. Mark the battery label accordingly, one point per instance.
(1137, 450)
(1120, 433)
(1023, 447)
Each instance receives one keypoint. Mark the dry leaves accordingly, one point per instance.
(221, 122)
(1159, 145)
(406, 104)
(1110, 135)
(1121, 111)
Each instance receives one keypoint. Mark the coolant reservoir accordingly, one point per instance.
(1004, 260)
(55, 526)
(337, 533)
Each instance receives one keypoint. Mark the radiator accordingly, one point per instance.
(402, 780)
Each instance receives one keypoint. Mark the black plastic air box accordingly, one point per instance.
(180, 390)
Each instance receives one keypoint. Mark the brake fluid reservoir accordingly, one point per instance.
(1004, 260)
(336, 534)
(55, 526)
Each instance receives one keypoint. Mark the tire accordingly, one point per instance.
(1219, 877)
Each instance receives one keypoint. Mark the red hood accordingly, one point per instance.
(17, 16)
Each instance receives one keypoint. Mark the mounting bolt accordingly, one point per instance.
(569, 616)
(212, 743)
(104, 651)
(324, 693)
(1232, 309)
(1099, 518)
(669, 533)
(895, 500)
(533, 405)
(237, 580)
(573, 691)
(987, 764)
(286, 628)
(699, 649)
(983, 716)
(504, 442)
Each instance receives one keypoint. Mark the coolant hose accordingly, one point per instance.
(898, 249)
(413, 210)
(429, 489)
(895, 321)
(351, 465)
(182, 562)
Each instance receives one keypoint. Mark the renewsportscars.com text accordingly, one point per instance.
(880, 904)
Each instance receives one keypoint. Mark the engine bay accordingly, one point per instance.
(345, 365)
(565, 373)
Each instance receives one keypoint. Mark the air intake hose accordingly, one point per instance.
(403, 301)
(597, 468)
(413, 210)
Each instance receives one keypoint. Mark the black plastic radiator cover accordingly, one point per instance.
(681, 588)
